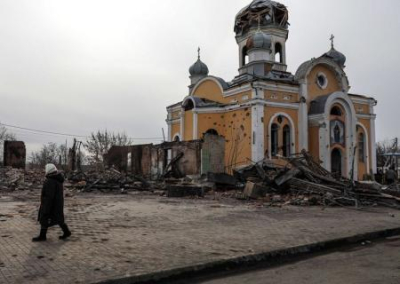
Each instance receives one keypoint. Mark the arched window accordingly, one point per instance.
(212, 132)
(278, 53)
(336, 111)
(274, 139)
(245, 56)
(177, 139)
(286, 141)
(188, 105)
(361, 147)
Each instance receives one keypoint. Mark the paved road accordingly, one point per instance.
(370, 264)
(126, 235)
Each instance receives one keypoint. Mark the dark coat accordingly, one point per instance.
(51, 210)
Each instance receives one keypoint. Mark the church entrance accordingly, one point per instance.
(336, 162)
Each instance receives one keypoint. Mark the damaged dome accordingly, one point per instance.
(263, 12)
(259, 40)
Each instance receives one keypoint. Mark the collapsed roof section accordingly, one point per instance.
(261, 12)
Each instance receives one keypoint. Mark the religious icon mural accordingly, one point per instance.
(337, 132)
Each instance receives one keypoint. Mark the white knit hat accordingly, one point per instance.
(50, 168)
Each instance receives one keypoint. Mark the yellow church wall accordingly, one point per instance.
(235, 127)
(313, 141)
(207, 121)
(314, 90)
(238, 136)
(176, 129)
(188, 126)
(209, 90)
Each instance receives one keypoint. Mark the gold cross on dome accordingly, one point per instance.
(332, 40)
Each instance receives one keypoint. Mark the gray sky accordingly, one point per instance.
(76, 66)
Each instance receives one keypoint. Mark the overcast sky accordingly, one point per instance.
(76, 66)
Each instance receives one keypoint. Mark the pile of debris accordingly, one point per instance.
(105, 181)
(305, 182)
(18, 179)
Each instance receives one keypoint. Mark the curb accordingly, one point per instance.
(249, 261)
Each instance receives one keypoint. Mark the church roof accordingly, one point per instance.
(317, 106)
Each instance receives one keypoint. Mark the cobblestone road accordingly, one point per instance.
(125, 235)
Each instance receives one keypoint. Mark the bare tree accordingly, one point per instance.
(49, 153)
(5, 135)
(386, 147)
(100, 142)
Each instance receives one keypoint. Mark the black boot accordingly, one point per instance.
(66, 231)
(41, 237)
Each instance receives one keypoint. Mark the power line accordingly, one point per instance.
(38, 131)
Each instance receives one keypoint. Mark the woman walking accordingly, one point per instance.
(51, 210)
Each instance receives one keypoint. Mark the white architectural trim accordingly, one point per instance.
(282, 105)
(169, 138)
(278, 88)
(175, 108)
(366, 116)
(373, 147)
(258, 137)
(366, 101)
(367, 152)
(195, 125)
(351, 139)
(303, 118)
(292, 133)
(236, 91)
(247, 104)
(183, 123)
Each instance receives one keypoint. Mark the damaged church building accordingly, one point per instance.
(266, 112)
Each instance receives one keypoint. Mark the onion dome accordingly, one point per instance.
(198, 68)
(335, 55)
(259, 40)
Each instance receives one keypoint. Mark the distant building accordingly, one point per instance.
(267, 112)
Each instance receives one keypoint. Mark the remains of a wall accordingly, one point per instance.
(150, 161)
(14, 154)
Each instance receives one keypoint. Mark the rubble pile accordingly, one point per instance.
(18, 179)
(105, 181)
(305, 182)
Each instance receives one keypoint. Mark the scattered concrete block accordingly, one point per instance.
(253, 190)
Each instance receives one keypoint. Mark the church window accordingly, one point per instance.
(286, 141)
(274, 139)
(336, 111)
(361, 147)
(278, 53)
(245, 56)
(177, 139)
(188, 105)
(322, 81)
